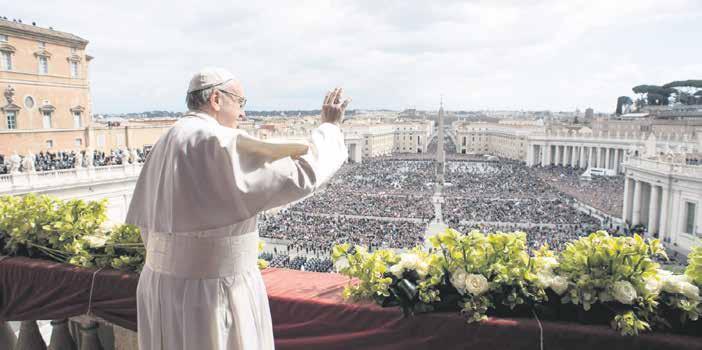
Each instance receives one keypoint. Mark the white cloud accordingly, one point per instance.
(480, 54)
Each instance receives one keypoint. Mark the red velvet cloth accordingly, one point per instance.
(308, 313)
(32, 289)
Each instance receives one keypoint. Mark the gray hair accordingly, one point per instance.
(196, 100)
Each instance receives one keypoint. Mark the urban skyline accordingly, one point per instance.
(544, 56)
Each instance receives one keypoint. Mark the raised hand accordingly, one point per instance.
(333, 107)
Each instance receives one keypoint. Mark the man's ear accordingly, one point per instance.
(215, 101)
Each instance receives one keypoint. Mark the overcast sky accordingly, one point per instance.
(527, 55)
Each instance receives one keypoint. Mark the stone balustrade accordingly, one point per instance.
(24, 181)
(77, 333)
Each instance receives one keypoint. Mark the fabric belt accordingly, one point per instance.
(201, 257)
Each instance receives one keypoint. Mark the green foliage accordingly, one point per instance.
(684, 83)
(482, 274)
(606, 269)
(70, 231)
(369, 269)
(694, 265)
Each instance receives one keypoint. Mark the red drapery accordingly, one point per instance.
(308, 313)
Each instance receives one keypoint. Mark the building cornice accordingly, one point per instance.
(29, 32)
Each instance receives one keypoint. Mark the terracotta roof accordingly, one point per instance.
(16, 26)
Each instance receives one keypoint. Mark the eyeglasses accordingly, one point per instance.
(242, 100)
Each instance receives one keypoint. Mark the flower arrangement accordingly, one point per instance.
(493, 274)
(73, 232)
(476, 274)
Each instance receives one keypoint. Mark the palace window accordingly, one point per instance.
(79, 142)
(43, 65)
(49, 143)
(3, 38)
(690, 217)
(42, 44)
(11, 120)
(74, 69)
(46, 119)
(76, 119)
(6, 60)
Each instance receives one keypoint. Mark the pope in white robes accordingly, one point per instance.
(196, 202)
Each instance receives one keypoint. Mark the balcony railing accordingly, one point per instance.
(23, 181)
(666, 167)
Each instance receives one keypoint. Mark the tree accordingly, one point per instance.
(685, 91)
(652, 95)
(621, 102)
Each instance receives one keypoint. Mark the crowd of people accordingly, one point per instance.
(387, 202)
(605, 193)
(385, 176)
(316, 234)
(46, 161)
(495, 180)
(299, 262)
(525, 210)
(334, 201)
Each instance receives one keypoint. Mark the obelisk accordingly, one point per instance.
(440, 155)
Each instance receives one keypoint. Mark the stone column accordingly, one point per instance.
(653, 211)
(636, 212)
(8, 340)
(30, 337)
(591, 158)
(627, 204)
(572, 156)
(616, 160)
(89, 338)
(60, 336)
(607, 150)
(543, 155)
(581, 163)
(663, 222)
(558, 155)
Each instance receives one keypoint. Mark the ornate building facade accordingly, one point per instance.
(44, 79)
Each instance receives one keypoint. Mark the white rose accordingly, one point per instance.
(653, 285)
(458, 280)
(673, 283)
(624, 292)
(549, 263)
(409, 261)
(690, 291)
(422, 269)
(95, 241)
(476, 284)
(559, 284)
(397, 270)
(544, 279)
(341, 264)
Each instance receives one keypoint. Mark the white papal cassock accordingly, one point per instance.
(196, 202)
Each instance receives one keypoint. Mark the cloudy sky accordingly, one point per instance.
(541, 54)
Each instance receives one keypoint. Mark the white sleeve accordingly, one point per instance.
(269, 179)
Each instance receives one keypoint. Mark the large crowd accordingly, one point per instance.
(46, 161)
(333, 201)
(605, 193)
(387, 203)
(299, 262)
(523, 211)
(315, 234)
